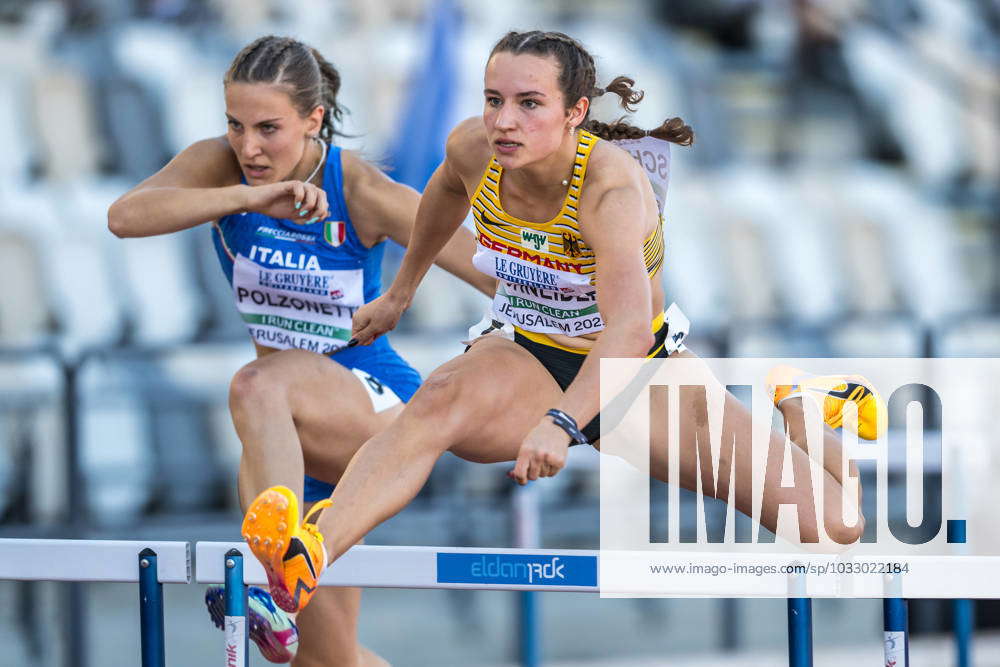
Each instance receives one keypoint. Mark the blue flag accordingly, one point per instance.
(427, 116)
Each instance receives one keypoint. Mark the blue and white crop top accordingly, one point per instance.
(298, 286)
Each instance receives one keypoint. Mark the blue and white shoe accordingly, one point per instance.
(271, 629)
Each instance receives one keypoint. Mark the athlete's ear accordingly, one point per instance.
(578, 112)
(314, 121)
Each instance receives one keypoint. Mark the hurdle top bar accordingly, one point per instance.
(822, 576)
(91, 560)
(428, 567)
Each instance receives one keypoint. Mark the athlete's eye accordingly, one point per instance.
(493, 102)
(529, 104)
(234, 124)
(268, 128)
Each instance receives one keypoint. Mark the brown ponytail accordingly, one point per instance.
(673, 130)
(619, 129)
(622, 87)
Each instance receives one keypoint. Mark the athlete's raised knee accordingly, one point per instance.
(258, 381)
(439, 392)
(249, 384)
(445, 400)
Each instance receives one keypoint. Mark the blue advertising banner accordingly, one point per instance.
(516, 569)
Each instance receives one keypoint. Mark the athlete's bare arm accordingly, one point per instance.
(201, 184)
(613, 221)
(381, 208)
(160, 205)
(443, 207)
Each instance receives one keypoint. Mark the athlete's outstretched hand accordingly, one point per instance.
(542, 454)
(376, 318)
(299, 202)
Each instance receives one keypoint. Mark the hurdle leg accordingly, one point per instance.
(964, 613)
(800, 650)
(526, 535)
(237, 633)
(896, 626)
(151, 611)
(530, 655)
(75, 621)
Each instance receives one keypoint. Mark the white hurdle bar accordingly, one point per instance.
(151, 564)
(578, 571)
(369, 566)
(154, 563)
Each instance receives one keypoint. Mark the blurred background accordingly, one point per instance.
(841, 199)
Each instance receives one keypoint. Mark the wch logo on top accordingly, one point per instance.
(880, 460)
(537, 241)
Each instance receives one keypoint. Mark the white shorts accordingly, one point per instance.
(381, 395)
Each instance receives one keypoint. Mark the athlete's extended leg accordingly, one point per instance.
(297, 412)
(737, 428)
(480, 406)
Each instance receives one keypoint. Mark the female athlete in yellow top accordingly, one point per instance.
(570, 227)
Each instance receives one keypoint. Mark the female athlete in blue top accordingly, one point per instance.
(299, 225)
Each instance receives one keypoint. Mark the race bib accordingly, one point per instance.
(654, 156)
(523, 267)
(571, 312)
(538, 293)
(286, 308)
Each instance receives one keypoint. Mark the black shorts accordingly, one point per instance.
(563, 366)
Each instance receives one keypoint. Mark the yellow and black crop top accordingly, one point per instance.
(545, 269)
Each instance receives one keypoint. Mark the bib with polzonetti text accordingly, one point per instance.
(297, 308)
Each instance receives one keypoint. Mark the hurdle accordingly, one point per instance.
(150, 564)
(539, 570)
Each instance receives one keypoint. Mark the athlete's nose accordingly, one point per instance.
(250, 148)
(504, 120)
